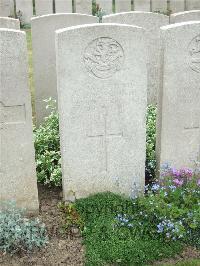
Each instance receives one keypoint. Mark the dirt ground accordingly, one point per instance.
(62, 249)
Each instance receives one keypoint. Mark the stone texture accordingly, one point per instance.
(6, 8)
(43, 43)
(142, 5)
(177, 5)
(9, 23)
(152, 23)
(185, 16)
(122, 6)
(159, 6)
(63, 6)
(43, 7)
(26, 7)
(83, 6)
(102, 105)
(178, 125)
(17, 159)
(192, 4)
(106, 5)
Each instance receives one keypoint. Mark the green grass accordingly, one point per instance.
(110, 245)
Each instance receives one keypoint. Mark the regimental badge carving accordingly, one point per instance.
(194, 52)
(103, 57)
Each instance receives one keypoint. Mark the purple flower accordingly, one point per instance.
(198, 182)
(178, 182)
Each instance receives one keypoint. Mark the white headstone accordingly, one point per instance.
(6, 8)
(26, 8)
(9, 23)
(17, 159)
(43, 43)
(192, 4)
(159, 6)
(106, 5)
(185, 16)
(152, 23)
(102, 104)
(43, 7)
(178, 126)
(63, 6)
(177, 5)
(142, 5)
(122, 6)
(83, 6)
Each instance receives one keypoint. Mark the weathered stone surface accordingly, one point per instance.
(192, 4)
(9, 23)
(177, 6)
(17, 160)
(106, 5)
(185, 16)
(122, 6)
(159, 6)
(63, 6)
(43, 7)
(152, 23)
(178, 125)
(6, 8)
(102, 105)
(43, 43)
(83, 6)
(26, 8)
(142, 5)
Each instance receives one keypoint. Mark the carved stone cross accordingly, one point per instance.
(14, 114)
(105, 135)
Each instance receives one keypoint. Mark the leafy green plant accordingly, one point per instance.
(19, 233)
(137, 231)
(151, 142)
(47, 147)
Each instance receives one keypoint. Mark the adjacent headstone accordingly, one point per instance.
(185, 16)
(177, 6)
(26, 9)
(63, 6)
(9, 23)
(142, 5)
(43, 42)
(192, 4)
(102, 103)
(106, 5)
(159, 6)
(83, 6)
(152, 23)
(43, 7)
(6, 8)
(17, 159)
(122, 6)
(178, 126)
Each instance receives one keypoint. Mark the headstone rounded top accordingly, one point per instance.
(180, 24)
(9, 23)
(60, 15)
(184, 12)
(138, 13)
(99, 25)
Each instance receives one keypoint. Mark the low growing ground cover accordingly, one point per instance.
(138, 231)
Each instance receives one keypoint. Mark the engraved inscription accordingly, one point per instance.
(103, 57)
(194, 52)
(108, 129)
(14, 114)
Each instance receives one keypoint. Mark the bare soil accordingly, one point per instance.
(63, 249)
